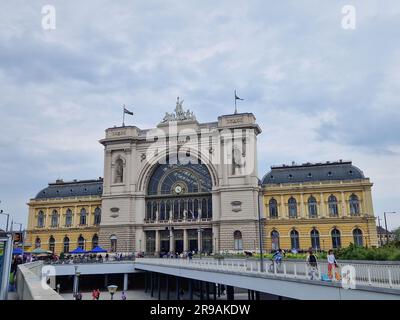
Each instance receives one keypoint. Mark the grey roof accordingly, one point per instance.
(340, 170)
(61, 189)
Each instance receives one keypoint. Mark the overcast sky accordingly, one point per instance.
(319, 92)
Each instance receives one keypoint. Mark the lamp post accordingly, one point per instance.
(112, 290)
(8, 218)
(260, 233)
(387, 231)
(76, 281)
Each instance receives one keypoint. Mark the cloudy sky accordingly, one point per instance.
(320, 92)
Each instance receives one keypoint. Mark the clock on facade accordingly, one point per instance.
(178, 189)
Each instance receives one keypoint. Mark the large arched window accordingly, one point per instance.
(238, 240)
(40, 219)
(97, 216)
(82, 217)
(38, 242)
(275, 245)
(113, 240)
(294, 239)
(52, 244)
(119, 171)
(315, 242)
(81, 242)
(68, 218)
(66, 244)
(312, 207)
(54, 219)
(95, 241)
(358, 237)
(336, 240)
(273, 209)
(292, 205)
(354, 205)
(333, 206)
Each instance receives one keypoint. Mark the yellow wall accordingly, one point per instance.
(73, 232)
(324, 223)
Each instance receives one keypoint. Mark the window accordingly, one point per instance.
(238, 240)
(81, 242)
(38, 243)
(97, 216)
(52, 244)
(54, 219)
(312, 207)
(336, 241)
(82, 218)
(354, 205)
(68, 218)
(113, 240)
(315, 242)
(292, 207)
(95, 241)
(66, 244)
(119, 171)
(358, 237)
(294, 239)
(332, 205)
(275, 240)
(273, 209)
(40, 222)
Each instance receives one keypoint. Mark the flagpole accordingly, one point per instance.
(123, 115)
(235, 103)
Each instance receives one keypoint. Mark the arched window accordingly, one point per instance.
(95, 241)
(97, 216)
(294, 239)
(119, 171)
(52, 244)
(273, 209)
(315, 242)
(354, 205)
(40, 221)
(66, 244)
(38, 243)
(81, 242)
(312, 207)
(237, 236)
(54, 219)
(113, 240)
(333, 206)
(68, 218)
(358, 237)
(275, 245)
(82, 217)
(292, 204)
(336, 241)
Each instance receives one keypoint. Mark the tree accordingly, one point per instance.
(397, 234)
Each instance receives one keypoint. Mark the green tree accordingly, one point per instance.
(397, 234)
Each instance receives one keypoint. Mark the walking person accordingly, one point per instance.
(123, 295)
(97, 294)
(332, 266)
(94, 294)
(312, 264)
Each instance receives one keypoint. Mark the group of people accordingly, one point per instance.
(312, 265)
(182, 255)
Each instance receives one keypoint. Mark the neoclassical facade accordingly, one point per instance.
(64, 216)
(323, 206)
(183, 185)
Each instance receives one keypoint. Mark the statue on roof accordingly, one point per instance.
(180, 114)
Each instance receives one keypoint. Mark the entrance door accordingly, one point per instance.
(193, 245)
(164, 246)
(179, 246)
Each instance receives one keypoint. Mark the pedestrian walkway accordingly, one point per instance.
(105, 295)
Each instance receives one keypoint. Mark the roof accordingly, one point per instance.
(381, 230)
(308, 172)
(82, 188)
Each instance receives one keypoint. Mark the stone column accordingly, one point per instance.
(215, 233)
(303, 213)
(199, 247)
(171, 241)
(157, 243)
(185, 240)
(321, 212)
(344, 206)
(125, 281)
(284, 213)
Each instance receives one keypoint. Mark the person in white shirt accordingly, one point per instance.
(332, 264)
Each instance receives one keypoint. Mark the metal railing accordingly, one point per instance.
(380, 276)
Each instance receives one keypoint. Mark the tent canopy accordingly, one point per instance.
(78, 251)
(98, 250)
(40, 251)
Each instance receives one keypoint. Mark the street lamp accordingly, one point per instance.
(260, 234)
(112, 290)
(76, 281)
(387, 231)
(8, 218)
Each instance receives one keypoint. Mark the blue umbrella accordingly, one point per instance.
(98, 250)
(78, 251)
(17, 251)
